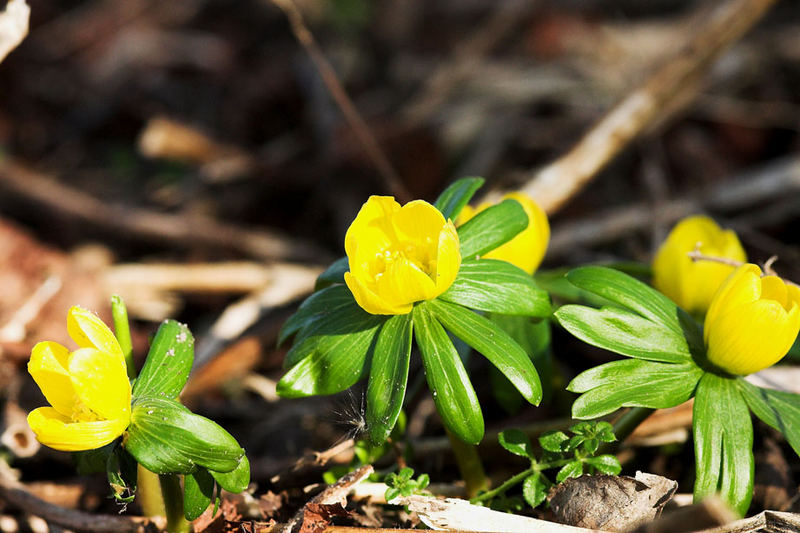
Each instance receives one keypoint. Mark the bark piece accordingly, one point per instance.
(611, 503)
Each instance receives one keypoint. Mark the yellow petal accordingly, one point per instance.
(419, 222)
(101, 383)
(774, 288)
(371, 302)
(692, 284)
(88, 331)
(750, 337)
(56, 431)
(526, 250)
(467, 212)
(404, 283)
(374, 222)
(741, 287)
(48, 367)
(448, 258)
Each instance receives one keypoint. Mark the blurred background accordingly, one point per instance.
(191, 156)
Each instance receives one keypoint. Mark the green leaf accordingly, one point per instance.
(497, 287)
(723, 442)
(554, 441)
(392, 493)
(93, 461)
(516, 442)
(198, 489)
(237, 479)
(168, 363)
(457, 195)
(778, 409)
(535, 488)
(388, 376)
(333, 274)
(632, 383)
(490, 228)
(319, 306)
(122, 475)
(330, 355)
(625, 333)
(494, 343)
(165, 437)
(629, 293)
(571, 469)
(448, 380)
(605, 464)
(605, 431)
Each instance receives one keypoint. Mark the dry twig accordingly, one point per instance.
(373, 150)
(176, 230)
(13, 26)
(553, 185)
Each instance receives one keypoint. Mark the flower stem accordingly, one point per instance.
(149, 493)
(122, 331)
(625, 425)
(469, 464)
(510, 482)
(173, 502)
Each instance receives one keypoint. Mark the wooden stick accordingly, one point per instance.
(13, 26)
(176, 230)
(553, 185)
(373, 150)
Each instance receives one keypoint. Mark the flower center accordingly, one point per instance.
(82, 413)
(421, 257)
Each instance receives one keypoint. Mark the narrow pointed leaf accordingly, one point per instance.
(198, 489)
(320, 305)
(168, 362)
(452, 391)
(237, 479)
(490, 228)
(497, 287)
(625, 333)
(628, 293)
(330, 362)
(493, 343)
(333, 274)
(723, 442)
(457, 195)
(632, 383)
(779, 409)
(388, 376)
(165, 437)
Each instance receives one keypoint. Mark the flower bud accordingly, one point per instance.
(752, 321)
(692, 284)
(399, 255)
(526, 250)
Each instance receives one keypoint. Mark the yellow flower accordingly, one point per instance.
(88, 388)
(752, 321)
(692, 284)
(526, 250)
(399, 255)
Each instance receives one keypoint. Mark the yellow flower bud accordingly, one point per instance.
(88, 388)
(399, 255)
(526, 250)
(692, 284)
(752, 321)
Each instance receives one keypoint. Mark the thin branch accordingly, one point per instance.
(657, 98)
(373, 150)
(177, 230)
(15, 494)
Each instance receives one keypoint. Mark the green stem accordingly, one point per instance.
(502, 488)
(149, 493)
(470, 465)
(122, 329)
(173, 502)
(625, 425)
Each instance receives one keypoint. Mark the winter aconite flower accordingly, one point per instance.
(88, 389)
(752, 321)
(527, 249)
(399, 255)
(692, 284)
